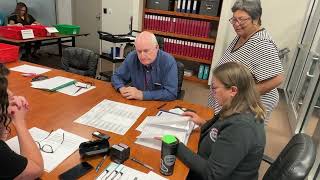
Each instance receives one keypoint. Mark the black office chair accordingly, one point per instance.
(294, 161)
(180, 67)
(79, 61)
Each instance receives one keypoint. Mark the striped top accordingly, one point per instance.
(260, 55)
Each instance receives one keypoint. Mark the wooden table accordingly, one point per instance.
(50, 111)
(60, 38)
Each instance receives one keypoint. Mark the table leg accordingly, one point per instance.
(28, 50)
(60, 47)
(73, 41)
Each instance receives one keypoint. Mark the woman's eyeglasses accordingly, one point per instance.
(47, 148)
(240, 21)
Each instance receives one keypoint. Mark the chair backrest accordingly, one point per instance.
(79, 61)
(294, 161)
(180, 67)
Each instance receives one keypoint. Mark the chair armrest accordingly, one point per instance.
(267, 159)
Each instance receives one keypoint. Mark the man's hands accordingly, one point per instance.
(131, 93)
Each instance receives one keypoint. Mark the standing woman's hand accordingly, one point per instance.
(195, 118)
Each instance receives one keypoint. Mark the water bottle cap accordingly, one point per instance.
(168, 139)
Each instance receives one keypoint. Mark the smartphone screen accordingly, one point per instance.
(77, 171)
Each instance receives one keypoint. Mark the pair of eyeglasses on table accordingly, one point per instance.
(47, 148)
(82, 85)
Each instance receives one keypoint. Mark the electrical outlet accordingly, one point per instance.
(109, 11)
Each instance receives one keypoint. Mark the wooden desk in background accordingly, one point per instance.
(60, 38)
(50, 111)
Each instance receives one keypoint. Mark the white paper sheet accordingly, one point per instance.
(158, 126)
(130, 174)
(61, 151)
(73, 90)
(30, 69)
(111, 116)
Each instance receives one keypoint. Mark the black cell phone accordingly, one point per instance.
(76, 171)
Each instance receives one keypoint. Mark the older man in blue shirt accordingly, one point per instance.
(151, 72)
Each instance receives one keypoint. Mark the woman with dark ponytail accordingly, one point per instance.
(13, 109)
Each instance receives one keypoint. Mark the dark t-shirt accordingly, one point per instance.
(11, 164)
(27, 21)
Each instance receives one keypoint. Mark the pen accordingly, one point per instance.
(161, 106)
(115, 172)
(77, 90)
(101, 162)
(141, 163)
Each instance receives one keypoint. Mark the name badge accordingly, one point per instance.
(27, 34)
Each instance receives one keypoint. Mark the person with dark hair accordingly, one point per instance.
(21, 17)
(13, 109)
(254, 48)
(4, 71)
(232, 143)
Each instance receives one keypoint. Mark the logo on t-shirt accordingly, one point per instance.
(214, 134)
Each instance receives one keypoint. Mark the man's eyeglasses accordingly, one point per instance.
(145, 51)
(82, 85)
(47, 148)
(240, 21)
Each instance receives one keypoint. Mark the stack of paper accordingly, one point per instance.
(53, 84)
(70, 143)
(111, 116)
(30, 69)
(158, 126)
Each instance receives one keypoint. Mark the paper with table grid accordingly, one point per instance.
(70, 144)
(111, 116)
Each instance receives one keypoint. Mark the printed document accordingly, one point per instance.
(111, 116)
(70, 143)
(158, 126)
(30, 69)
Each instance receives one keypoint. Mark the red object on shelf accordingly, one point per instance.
(11, 32)
(8, 53)
(39, 30)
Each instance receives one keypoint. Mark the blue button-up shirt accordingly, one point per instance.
(164, 76)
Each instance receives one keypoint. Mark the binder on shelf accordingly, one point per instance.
(205, 72)
(194, 6)
(188, 6)
(183, 6)
(178, 5)
(200, 72)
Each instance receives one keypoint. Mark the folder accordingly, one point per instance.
(205, 72)
(53, 84)
(200, 73)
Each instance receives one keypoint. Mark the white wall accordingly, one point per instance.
(283, 20)
(64, 11)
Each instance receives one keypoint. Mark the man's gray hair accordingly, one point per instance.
(154, 39)
(252, 7)
(151, 36)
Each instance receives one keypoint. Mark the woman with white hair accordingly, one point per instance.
(254, 48)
